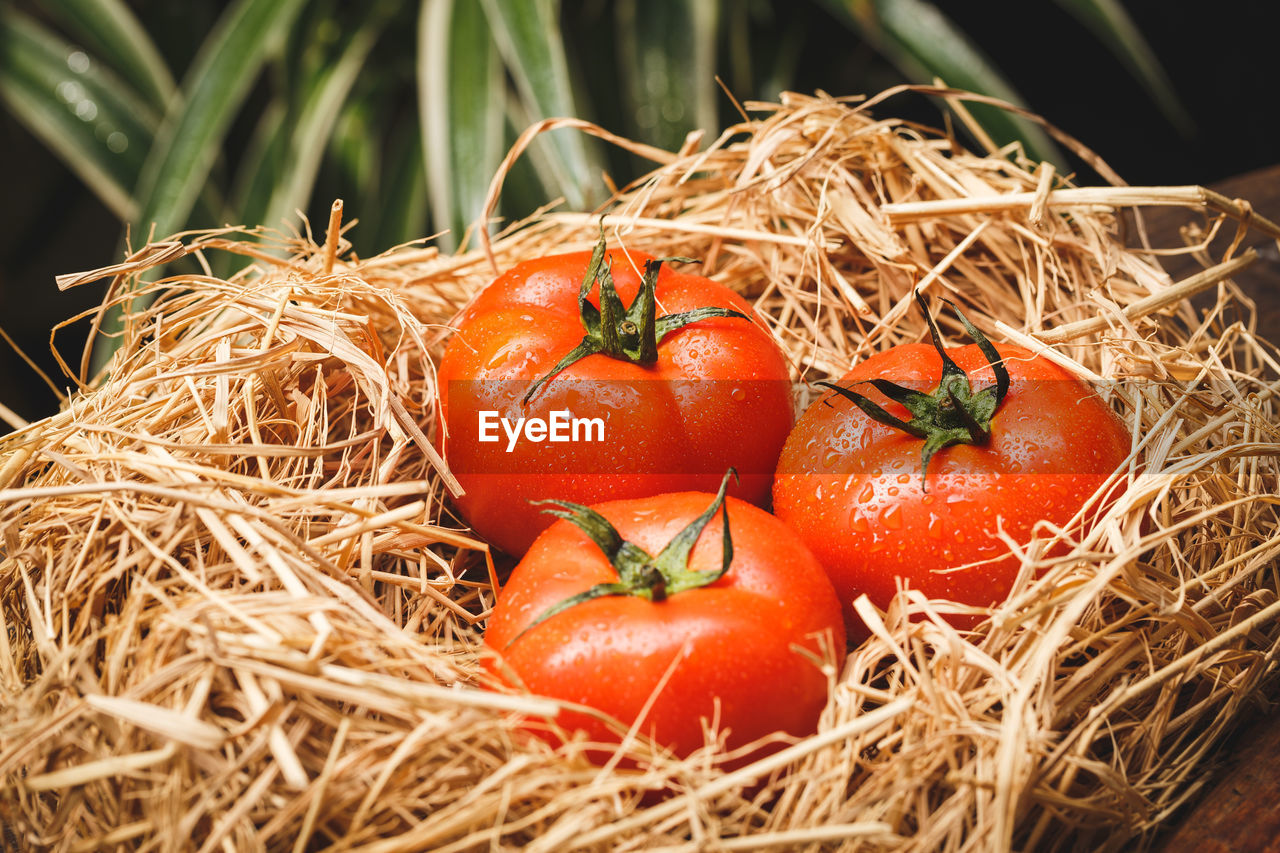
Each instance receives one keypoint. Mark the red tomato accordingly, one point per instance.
(704, 396)
(732, 642)
(852, 487)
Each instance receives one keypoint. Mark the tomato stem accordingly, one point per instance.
(627, 333)
(640, 574)
(954, 413)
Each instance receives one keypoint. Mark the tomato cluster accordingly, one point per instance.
(918, 470)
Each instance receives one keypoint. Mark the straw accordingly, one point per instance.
(238, 611)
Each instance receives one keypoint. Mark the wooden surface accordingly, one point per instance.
(1261, 282)
(1238, 808)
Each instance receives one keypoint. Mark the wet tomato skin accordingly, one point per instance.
(740, 651)
(718, 396)
(851, 487)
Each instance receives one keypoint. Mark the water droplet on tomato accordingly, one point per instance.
(502, 356)
(904, 478)
(934, 530)
(738, 395)
(892, 517)
(858, 522)
(830, 459)
(868, 492)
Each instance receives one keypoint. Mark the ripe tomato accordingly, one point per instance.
(724, 624)
(649, 402)
(852, 485)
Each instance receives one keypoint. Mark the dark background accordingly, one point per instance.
(1219, 56)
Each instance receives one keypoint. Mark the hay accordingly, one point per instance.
(238, 613)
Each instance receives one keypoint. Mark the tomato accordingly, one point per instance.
(879, 505)
(649, 402)
(726, 624)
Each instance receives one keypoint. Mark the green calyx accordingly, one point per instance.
(639, 574)
(625, 333)
(954, 413)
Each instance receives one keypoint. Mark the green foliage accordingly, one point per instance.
(198, 119)
(405, 111)
(461, 106)
(91, 119)
(921, 40)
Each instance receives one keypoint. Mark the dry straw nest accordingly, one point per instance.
(238, 613)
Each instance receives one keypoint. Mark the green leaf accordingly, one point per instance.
(528, 36)
(213, 90)
(355, 149)
(460, 108)
(667, 51)
(310, 131)
(77, 108)
(265, 156)
(532, 177)
(402, 216)
(924, 44)
(1112, 26)
(110, 31)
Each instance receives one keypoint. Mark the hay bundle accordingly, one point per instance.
(238, 613)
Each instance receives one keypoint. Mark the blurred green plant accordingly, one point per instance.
(405, 111)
